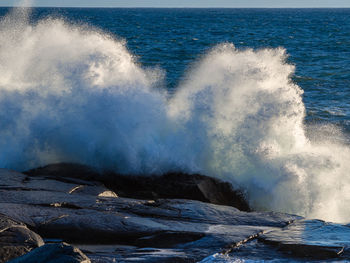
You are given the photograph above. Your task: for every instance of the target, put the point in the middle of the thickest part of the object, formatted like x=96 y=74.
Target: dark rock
x=53 y=253
x=177 y=185
x=167 y=239
x=68 y=170
x=16 y=239
x=170 y=185
x=187 y=230
x=311 y=238
x=121 y=225
x=126 y=254
x=109 y=228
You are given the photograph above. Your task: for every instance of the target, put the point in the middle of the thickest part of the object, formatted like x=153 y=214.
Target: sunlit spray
x=74 y=94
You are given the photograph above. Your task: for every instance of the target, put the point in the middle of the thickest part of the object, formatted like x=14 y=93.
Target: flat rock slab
x=76 y=208
x=126 y=254
x=311 y=238
x=170 y=185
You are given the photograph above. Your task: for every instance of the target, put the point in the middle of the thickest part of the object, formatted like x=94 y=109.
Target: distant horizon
x=172 y=7
x=179 y=3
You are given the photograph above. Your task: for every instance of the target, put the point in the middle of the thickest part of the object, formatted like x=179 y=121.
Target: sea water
x=256 y=97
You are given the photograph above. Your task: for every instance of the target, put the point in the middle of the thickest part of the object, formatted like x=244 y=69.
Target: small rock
x=53 y=253
x=16 y=239
x=108 y=194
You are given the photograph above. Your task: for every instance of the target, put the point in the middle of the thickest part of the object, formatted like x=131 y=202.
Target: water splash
x=252 y=115
x=75 y=94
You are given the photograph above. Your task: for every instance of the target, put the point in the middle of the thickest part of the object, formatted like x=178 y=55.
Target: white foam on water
x=75 y=94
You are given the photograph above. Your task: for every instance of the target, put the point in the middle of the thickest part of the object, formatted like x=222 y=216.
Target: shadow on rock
x=170 y=185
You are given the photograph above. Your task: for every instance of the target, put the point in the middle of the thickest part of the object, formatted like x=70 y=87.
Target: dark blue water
x=317 y=40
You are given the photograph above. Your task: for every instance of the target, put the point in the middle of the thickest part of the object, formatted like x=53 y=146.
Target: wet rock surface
x=16 y=239
x=74 y=207
x=311 y=238
x=170 y=185
x=53 y=253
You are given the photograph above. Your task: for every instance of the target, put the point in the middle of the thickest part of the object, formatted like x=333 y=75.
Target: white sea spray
x=70 y=93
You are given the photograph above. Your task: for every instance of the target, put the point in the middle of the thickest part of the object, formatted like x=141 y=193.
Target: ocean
x=316 y=40
x=256 y=97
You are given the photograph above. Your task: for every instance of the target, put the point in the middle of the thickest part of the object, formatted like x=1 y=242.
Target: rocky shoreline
x=106 y=217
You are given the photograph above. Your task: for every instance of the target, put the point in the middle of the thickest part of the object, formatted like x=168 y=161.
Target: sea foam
x=70 y=93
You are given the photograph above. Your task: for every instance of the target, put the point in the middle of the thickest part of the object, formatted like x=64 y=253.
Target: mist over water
x=71 y=93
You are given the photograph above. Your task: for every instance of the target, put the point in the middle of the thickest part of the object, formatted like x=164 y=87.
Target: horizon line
x=184 y=7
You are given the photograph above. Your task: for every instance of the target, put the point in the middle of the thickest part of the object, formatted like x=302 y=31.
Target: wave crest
x=73 y=94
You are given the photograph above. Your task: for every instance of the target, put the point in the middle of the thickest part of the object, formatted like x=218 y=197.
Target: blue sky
x=185 y=3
